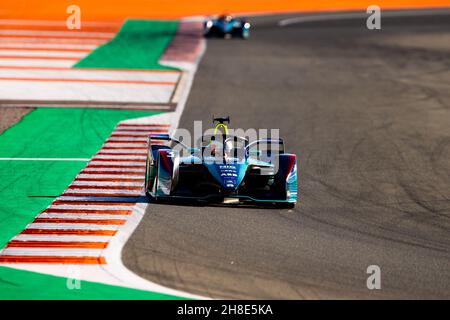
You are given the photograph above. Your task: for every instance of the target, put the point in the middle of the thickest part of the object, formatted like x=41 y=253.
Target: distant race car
x=223 y=168
x=227 y=26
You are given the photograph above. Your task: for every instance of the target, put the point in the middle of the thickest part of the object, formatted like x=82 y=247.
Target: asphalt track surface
x=368 y=114
x=10 y=116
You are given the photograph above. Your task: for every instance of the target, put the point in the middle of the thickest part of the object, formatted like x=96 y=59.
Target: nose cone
x=228 y=175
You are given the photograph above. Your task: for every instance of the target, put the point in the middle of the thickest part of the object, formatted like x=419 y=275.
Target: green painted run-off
x=138 y=45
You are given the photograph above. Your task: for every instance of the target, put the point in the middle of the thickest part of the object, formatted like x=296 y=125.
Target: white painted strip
x=88 y=216
x=134 y=151
x=116 y=163
x=106 y=183
x=136 y=139
x=89 y=207
x=45 y=159
x=53 y=46
x=93 y=170
x=106 y=191
x=81 y=91
x=69 y=34
x=71 y=226
x=149 y=128
x=84 y=74
x=62 y=238
x=93 y=175
x=51 y=252
x=85 y=198
x=134 y=133
x=121 y=145
x=36 y=63
x=107 y=156
x=29 y=53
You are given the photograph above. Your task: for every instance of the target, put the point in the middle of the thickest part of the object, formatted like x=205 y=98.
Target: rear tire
x=285 y=205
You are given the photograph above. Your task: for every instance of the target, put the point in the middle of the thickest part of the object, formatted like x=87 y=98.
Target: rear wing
x=162 y=136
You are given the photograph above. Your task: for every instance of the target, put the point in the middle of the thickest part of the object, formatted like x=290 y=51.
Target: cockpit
x=221 y=146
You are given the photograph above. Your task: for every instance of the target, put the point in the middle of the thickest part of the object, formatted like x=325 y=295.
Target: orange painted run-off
x=95 y=10
x=52 y=259
x=56 y=244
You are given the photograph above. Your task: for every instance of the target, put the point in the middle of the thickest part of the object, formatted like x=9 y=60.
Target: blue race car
x=223 y=168
x=227 y=26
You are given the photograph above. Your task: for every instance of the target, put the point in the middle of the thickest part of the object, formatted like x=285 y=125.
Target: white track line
x=102 y=162
x=89 y=207
x=51 y=252
x=107 y=183
x=135 y=133
x=120 y=145
x=134 y=169
x=105 y=191
x=148 y=128
x=93 y=175
x=62 y=238
x=118 y=157
x=134 y=139
x=72 y=226
x=91 y=216
x=80 y=91
x=133 y=151
x=84 y=74
x=94 y=198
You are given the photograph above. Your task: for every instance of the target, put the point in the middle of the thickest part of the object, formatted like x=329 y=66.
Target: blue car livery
x=222 y=168
x=227 y=26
